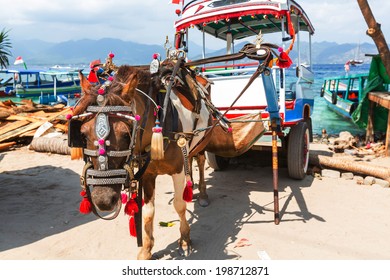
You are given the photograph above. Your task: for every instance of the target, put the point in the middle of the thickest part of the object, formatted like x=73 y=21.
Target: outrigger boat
x=46 y=84
x=343 y=93
x=284 y=97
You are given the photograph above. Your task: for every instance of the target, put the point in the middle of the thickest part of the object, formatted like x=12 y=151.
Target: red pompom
x=284 y=60
x=132 y=227
x=85 y=206
x=131 y=207
x=188 y=193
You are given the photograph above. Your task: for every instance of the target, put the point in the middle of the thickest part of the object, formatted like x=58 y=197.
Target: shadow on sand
x=34 y=201
x=216 y=228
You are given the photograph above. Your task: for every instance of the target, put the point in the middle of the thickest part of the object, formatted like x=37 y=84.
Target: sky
x=150 y=21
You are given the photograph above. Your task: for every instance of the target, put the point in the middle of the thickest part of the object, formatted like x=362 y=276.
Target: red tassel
x=188 y=193
x=131 y=207
x=124 y=198
x=85 y=205
x=132 y=227
x=284 y=60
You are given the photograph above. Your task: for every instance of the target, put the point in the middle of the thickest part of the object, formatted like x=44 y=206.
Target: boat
x=343 y=93
x=284 y=93
x=43 y=83
x=356 y=61
x=5 y=80
x=347 y=95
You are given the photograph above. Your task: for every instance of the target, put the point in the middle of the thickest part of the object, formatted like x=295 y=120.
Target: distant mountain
x=82 y=52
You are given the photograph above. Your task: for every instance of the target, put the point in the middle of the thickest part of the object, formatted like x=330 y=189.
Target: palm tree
x=5 y=46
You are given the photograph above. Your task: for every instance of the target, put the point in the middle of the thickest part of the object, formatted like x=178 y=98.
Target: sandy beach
x=321 y=218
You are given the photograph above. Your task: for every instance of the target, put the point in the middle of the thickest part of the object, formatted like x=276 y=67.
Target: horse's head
x=107 y=123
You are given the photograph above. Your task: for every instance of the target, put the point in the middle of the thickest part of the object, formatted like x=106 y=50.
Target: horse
x=133 y=128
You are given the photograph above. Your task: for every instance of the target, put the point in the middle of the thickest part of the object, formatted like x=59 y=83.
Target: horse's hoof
x=185 y=250
x=204 y=202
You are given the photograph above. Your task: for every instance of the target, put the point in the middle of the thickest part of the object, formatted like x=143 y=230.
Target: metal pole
x=275 y=172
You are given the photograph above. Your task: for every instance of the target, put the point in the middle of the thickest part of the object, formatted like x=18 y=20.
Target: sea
x=322 y=116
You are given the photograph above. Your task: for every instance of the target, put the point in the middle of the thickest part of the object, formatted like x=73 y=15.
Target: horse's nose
x=104 y=198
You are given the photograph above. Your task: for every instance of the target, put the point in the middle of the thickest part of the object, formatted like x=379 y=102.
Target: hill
x=81 y=52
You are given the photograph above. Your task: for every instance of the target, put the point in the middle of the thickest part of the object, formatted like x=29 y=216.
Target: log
x=6 y=146
x=56 y=145
x=353 y=166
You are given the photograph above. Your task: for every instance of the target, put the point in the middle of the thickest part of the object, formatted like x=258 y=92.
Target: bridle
x=103 y=175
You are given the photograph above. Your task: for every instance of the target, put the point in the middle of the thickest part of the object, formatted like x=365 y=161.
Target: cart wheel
x=217 y=162
x=309 y=124
x=298 y=151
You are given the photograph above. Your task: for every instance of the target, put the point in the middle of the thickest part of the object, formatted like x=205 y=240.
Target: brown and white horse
x=118 y=122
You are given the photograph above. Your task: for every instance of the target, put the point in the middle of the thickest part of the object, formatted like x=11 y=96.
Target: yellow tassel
x=76 y=153
x=157 y=145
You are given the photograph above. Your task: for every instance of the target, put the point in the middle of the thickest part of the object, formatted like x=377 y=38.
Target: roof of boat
x=241 y=18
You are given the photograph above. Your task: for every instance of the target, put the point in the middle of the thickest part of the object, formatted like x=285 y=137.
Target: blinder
x=75 y=138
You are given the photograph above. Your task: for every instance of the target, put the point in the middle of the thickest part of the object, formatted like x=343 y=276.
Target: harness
x=127 y=176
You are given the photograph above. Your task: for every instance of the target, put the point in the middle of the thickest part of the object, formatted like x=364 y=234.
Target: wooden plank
x=7 y=145
x=32 y=126
x=382 y=98
x=21 y=118
x=12 y=126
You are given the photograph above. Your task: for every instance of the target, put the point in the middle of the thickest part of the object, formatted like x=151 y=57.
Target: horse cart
x=142 y=122
x=283 y=97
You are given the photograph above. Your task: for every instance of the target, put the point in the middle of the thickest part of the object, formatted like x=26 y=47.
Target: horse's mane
x=115 y=89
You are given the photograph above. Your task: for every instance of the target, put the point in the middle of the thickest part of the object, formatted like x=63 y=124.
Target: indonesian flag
x=176 y=1
x=18 y=60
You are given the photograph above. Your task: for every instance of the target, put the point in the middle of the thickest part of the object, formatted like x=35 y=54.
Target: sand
x=321 y=218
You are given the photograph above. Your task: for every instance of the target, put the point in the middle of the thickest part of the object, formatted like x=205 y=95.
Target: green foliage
x=5 y=46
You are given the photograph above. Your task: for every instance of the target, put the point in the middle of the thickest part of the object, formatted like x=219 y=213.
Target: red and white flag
x=18 y=60
x=176 y=1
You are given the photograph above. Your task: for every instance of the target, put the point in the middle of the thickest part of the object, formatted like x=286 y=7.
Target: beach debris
x=166 y=224
x=345 y=141
x=242 y=243
x=19 y=122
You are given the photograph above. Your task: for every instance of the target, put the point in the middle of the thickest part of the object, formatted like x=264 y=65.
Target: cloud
x=149 y=21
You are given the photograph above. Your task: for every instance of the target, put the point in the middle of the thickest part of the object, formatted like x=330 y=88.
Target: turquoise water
x=322 y=116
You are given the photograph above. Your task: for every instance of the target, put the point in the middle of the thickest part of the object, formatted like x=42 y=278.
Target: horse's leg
x=148 y=210
x=181 y=208
x=203 y=199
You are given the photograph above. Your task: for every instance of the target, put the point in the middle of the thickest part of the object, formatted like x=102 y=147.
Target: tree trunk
x=375 y=32
x=351 y=166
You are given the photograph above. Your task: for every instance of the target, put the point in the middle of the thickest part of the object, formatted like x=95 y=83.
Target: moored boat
x=33 y=83
x=343 y=93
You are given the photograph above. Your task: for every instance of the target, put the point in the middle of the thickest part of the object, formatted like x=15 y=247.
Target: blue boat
x=34 y=83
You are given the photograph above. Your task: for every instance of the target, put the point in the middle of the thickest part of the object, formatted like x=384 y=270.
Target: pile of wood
x=20 y=122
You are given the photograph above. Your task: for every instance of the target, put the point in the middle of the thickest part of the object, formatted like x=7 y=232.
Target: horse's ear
x=131 y=84
x=84 y=83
